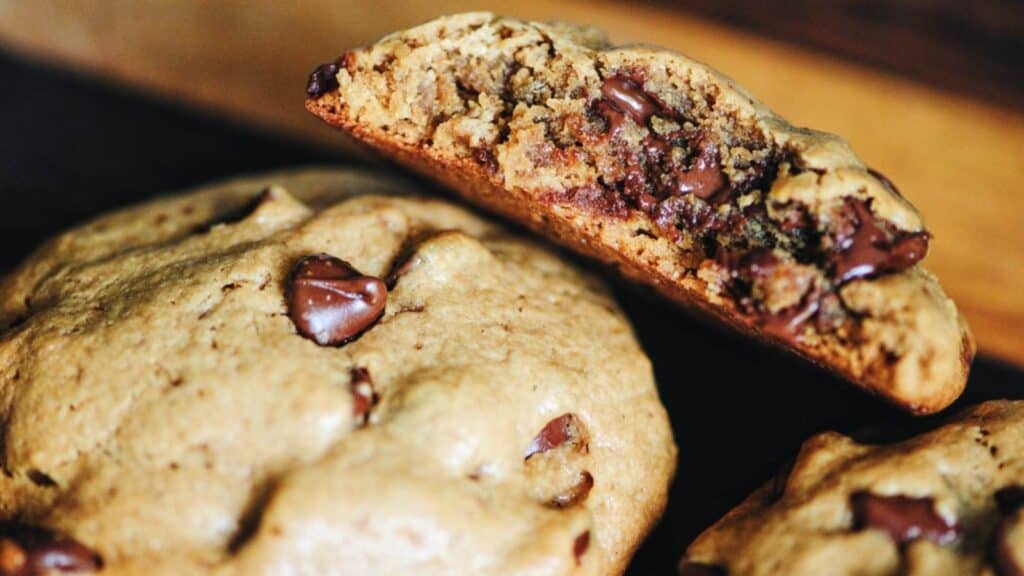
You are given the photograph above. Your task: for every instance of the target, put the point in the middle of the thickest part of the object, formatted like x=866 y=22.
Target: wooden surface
x=974 y=51
x=959 y=160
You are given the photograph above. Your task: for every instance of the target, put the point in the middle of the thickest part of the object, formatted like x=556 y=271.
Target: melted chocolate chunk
x=904 y=518
x=691 y=568
x=580 y=545
x=760 y=263
x=593 y=198
x=626 y=96
x=704 y=179
x=330 y=302
x=33 y=551
x=565 y=428
x=864 y=248
x=789 y=323
x=324 y=78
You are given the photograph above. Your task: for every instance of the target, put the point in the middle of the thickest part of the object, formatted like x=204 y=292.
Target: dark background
x=72 y=148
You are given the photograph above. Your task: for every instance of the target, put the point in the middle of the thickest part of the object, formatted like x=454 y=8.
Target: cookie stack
x=329 y=372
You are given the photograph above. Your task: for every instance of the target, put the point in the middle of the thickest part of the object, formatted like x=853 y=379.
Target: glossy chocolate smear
x=626 y=96
x=32 y=551
x=323 y=79
x=330 y=302
x=789 y=323
x=565 y=428
x=691 y=568
x=704 y=179
x=863 y=248
x=904 y=518
x=757 y=264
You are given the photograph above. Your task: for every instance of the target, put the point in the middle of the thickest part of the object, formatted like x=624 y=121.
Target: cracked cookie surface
x=328 y=377
x=950 y=501
x=670 y=172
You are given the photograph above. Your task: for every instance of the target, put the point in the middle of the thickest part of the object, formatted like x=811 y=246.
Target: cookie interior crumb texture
x=673 y=174
x=163 y=414
x=950 y=501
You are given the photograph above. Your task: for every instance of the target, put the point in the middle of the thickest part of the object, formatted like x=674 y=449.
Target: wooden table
x=959 y=160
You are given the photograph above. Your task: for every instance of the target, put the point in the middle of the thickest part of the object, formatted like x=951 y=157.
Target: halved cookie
x=666 y=169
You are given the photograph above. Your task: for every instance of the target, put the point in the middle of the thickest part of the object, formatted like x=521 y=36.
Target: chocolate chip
x=704 y=179
x=364 y=397
x=789 y=322
x=864 y=248
x=324 y=78
x=330 y=302
x=580 y=545
x=565 y=428
x=576 y=493
x=691 y=568
x=904 y=518
x=593 y=198
x=33 y=551
x=626 y=96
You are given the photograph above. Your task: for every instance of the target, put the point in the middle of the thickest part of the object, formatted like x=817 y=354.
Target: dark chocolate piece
x=34 y=551
x=904 y=518
x=580 y=545
x=364 y=397
x=789 y=323
x=758 y=264
x=330 y=302
x=565 y=428
x=704 y=179
x=628 y=97
x=863 y=248
x=323 y=79
x=690 y=568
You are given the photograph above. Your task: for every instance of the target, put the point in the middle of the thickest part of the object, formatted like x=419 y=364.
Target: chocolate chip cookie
x=673 y=174
x=315 y=372
x=950 y=501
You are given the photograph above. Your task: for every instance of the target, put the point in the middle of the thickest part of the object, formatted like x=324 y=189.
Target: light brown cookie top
x=672 y=173
x=945 y=502
x=193 y=386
